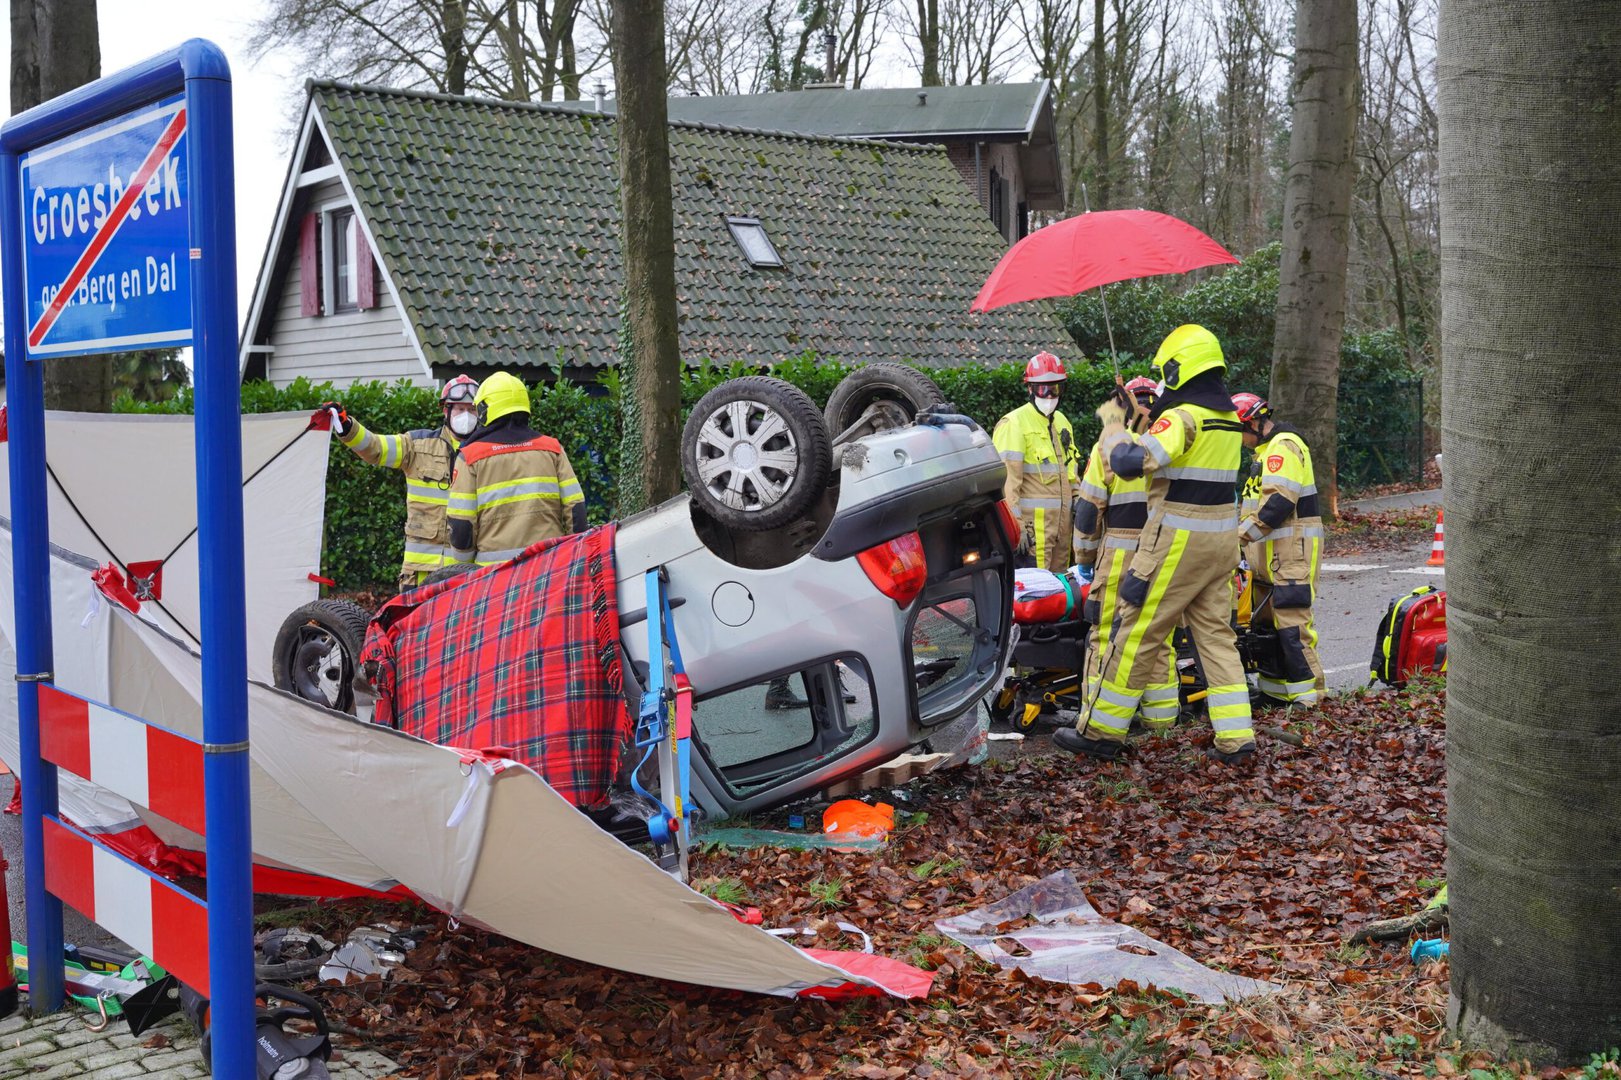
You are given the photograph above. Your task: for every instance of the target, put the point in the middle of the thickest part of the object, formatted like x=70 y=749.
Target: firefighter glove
x=340 y=418
x=1027 y=541
x=1112 y=412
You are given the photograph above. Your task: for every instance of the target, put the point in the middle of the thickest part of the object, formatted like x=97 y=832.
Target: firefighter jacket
x=1040 y=455
x=508 y=492
x=425 y=457
x=1283 y=529
x=1109 y=510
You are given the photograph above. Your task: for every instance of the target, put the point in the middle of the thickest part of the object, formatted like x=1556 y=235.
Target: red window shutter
x=366 y=267
x=309 y=265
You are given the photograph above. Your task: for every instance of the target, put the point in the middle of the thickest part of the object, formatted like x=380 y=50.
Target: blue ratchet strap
x=653 y=724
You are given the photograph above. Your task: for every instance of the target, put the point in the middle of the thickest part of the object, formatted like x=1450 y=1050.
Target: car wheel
x=445 y=573
x=755 y=453
x=878 y=397
x=317 y=652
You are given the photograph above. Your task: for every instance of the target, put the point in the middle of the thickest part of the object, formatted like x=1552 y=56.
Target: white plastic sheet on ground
x=1050 y=930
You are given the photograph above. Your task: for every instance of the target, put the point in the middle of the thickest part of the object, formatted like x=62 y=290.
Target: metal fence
x=1381 y=432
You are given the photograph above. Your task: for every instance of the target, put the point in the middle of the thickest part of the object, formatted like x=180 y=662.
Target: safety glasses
x=1046 y=389
x=460 y=392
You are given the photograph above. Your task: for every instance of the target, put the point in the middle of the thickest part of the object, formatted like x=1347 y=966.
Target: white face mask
x=463 y=423
x=1159 y=388
x=1047 y=405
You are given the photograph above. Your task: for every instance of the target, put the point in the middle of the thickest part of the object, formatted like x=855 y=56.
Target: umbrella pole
x=1114 y=358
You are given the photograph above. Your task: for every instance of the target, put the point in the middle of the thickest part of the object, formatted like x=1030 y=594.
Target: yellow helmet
x=1187 y=351
x=501 y=395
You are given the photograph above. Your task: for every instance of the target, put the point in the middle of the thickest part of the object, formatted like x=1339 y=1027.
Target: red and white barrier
x=150 y=767
x=161 y=920
x=147 y=765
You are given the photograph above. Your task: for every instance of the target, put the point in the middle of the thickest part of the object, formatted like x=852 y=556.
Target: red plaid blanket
x=522 y=655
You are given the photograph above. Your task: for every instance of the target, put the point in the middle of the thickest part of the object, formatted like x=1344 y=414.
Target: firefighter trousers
x=1161 y=700
x=1183 y=575
x=1294 y=676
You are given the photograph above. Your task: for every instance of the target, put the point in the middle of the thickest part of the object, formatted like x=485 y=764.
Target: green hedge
x=365 y=505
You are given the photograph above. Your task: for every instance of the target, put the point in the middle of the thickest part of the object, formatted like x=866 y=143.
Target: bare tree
x=1317 y=207
x=651 y=351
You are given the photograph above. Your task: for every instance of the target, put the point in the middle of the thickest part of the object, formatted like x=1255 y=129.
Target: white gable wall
x=353 y=346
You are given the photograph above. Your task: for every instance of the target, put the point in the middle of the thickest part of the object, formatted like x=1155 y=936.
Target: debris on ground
x=1049 y=930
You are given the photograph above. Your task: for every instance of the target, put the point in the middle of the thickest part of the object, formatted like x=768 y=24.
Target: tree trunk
x=1530 y=180
x=453 y=39
x=68 y=49
x=650 y=350
x=1316 y=236
x=1100 y=99
x=24 y=57
x=928 y=40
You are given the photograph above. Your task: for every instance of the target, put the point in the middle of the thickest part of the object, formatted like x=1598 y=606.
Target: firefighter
x=1282 y=533
x=426 y=457
x=1183 y=567
x=511 y=486
x=1037 y=445
x=1109 y=514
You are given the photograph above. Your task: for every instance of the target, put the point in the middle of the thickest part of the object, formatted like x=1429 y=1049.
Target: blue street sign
x=105 y=263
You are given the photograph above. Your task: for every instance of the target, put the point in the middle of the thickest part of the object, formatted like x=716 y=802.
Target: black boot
x=1076 y=743
x=1242 y=756
x=849 y=698
x=779 y=696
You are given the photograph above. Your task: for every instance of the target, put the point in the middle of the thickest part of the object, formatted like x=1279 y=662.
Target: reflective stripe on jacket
x=1040 y=456
x=426 y=457
x=1283 y=527
x=1109 y=509
x=512 y=495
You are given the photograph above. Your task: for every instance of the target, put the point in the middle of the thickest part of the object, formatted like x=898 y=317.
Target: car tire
x=317 y=652
x=445 y=573
x=901 y=392
x=755 y=453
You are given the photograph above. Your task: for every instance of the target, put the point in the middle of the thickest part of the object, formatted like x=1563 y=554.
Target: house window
x=752 y=239
x=341 y=250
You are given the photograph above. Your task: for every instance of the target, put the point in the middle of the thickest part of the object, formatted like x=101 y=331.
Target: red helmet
x=1142 y=384
x=1044 y=367
x=458 y=391
x=1251 y=407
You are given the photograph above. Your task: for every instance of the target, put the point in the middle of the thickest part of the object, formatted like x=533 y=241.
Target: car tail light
x=1010 y=524
x=898 y=567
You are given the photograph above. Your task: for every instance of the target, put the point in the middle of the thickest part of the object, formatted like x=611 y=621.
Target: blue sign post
x=117 y=231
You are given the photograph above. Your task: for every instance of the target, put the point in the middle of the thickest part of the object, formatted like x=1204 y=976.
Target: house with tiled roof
x=1002 y=137
x=419 y=236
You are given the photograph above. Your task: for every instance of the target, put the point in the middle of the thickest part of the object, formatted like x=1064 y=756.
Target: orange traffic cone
x=1438 y=555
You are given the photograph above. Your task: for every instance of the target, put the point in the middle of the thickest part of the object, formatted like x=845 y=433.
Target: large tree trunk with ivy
x=650 y=352
x=1316 y=230
x=1531 y=250
x=55 y=47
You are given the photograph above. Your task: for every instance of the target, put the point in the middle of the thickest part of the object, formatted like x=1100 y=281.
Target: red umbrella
x=1091 y=250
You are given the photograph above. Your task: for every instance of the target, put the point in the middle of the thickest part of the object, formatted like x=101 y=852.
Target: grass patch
x=927 y=869
x=1123 y=1051
x=827 y=892
x=726 y=890
x=1049 y=842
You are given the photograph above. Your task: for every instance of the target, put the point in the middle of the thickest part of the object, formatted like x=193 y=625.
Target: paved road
x=1352 y=594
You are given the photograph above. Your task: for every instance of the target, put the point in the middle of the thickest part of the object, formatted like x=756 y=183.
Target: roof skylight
x=752 y=239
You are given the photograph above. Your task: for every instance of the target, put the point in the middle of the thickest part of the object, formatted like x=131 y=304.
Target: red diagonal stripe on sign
x=114 y=222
